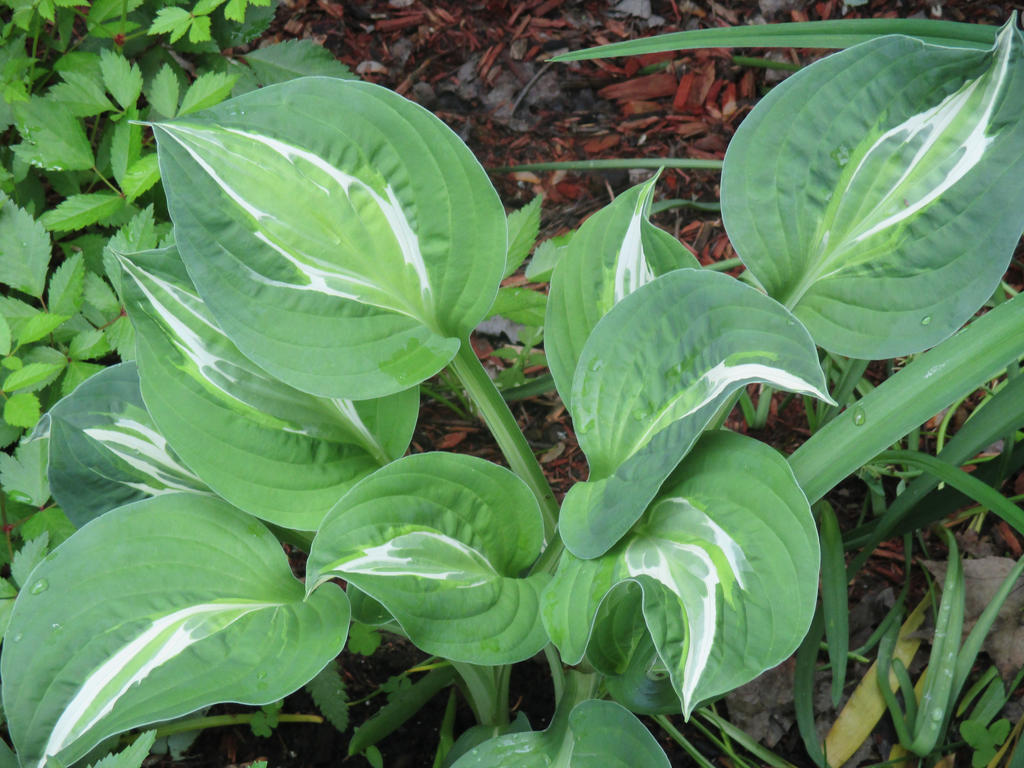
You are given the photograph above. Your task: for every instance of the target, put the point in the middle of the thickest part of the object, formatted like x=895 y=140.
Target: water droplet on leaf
x=926 y=320
x=859 y=417
x=841 y=155
x=40 y=586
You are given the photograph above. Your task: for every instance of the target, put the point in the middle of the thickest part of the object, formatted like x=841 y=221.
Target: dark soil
x=480 y=66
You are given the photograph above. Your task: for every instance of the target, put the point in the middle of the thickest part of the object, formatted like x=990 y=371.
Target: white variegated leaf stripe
x=347 y=257
x=268 y=448
x=154 y=610
x=105 y=451
x=441 y=541
x=653 y=374
x=615 y=251
x=891 y=201
x=730 y=531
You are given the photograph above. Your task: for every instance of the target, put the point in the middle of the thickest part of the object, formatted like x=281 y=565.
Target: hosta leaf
x=615 y=252
x=207 y=611
x=105 y=450
x=294 y=58
x=346 y=257
x=651 y=377
x=729 y=533
x=883 y=209
x=592 y=734
x=440 y=540
x=269 y=449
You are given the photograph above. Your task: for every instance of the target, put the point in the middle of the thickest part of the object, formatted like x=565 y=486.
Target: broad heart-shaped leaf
x=615 y=252
x=269 y=449
x=879 y=193
x=152 y=611
x=105 y=450
x=651 y=377
x=729 y=534
x=343 y=237
x=441 y=540
x=593 y=734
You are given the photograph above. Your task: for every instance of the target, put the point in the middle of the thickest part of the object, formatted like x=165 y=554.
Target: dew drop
x=841 y=155
x=40 y=586
x=926 y=320
x=17 y=638
x=859 y=417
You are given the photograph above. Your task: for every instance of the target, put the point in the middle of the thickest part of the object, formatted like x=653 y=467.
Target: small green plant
x=335 y=246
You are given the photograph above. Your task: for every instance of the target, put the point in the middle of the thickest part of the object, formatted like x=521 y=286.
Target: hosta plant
x=335 y=246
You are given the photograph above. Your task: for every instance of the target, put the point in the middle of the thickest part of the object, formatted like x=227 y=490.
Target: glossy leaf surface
x=728 y=534
x=595 y=734
x=267 y=448
x=615 y=251
x=206 y=610
x=343 y=237
x=651 y=377
x=441 y=540
x=105 y=450
x=889 y=204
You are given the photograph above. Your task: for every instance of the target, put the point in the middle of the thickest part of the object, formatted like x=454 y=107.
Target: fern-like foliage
x=329 y=694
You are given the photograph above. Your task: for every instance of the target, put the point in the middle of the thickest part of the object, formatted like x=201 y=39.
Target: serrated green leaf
x=79 y=211
x=132 y=756
x=911 y=156
x=163 y=92
x=28 y=557
x=422 y=536
x=67 y=284
x=698 y=336
x=234 y=627
x=235 y=10
x=99 y=294
x=209 y=88
x=121 y=337
x=24 y=250
x=76 y=373
x=171 y=19
x=52 y=137
x=82 y=94
x=520 y=305
x=23 y=475
x=5 y=336
x=88 y=345
x=31 y=377
x=295 y=58
x=53 y=522
x=329 y=695
x=38 y=326
x=122 y=78
x=199 y=32
x=11 y=363
x=404 y=285
x=140 y=176
x=125 y=148
x=523 y=227
x=363 y=639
